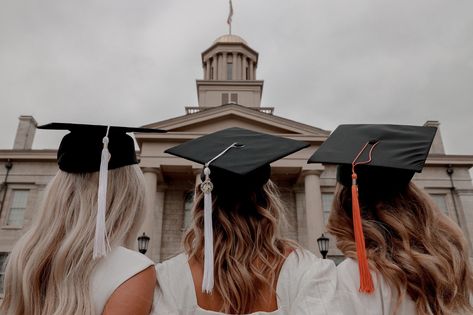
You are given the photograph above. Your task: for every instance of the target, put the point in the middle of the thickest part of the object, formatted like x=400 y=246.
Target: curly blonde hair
x=248 y=246
x=416 y=248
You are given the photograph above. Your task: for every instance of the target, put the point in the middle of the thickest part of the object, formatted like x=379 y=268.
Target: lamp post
x=143 y=242
x=322 y=242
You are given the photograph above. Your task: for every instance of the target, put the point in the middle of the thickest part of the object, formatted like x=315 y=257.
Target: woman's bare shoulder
x=134 y=296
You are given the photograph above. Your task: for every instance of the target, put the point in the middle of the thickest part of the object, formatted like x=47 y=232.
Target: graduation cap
x=96 y=148
x=80 y=150
x=236 y=159
x=380 y=159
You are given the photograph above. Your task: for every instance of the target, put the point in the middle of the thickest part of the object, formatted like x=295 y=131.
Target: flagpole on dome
x=229 y=19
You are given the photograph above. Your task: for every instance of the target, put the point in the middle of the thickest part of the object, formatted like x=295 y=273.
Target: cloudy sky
x=324 y=62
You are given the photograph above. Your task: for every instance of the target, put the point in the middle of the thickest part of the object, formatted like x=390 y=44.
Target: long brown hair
x=417 y=249
x=248 y=246
x=48 y=271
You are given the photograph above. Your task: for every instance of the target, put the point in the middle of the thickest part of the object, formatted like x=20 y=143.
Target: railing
x=197 y=109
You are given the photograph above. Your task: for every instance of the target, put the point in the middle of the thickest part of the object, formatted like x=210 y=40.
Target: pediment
x=226 y=116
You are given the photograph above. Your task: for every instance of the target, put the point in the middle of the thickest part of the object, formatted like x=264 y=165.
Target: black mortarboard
x=399 y=152
x=380 y=160
x=248 y=161
x=80 y=150
x=235 y=160
x=96 y=148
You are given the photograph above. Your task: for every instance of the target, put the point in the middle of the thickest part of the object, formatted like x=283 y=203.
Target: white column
x=214 y=66
x=217 y=67
x=220 y=67
x=313 y=208
x=225 y=60
x=197 y=173
x=154 y=206
x=464 y=207
x=251 y=70
x=158 y=231
x=234 y=66
x=207 y=70
x=238 y=67
x=301 y=218
x=151 y=179
x=243 y=68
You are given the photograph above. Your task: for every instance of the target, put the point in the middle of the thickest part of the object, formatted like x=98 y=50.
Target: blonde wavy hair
x=248 y=246
x=49 y=269
x=416 y=248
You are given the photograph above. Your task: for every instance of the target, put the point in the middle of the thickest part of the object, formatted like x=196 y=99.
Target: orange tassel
x=366 y=283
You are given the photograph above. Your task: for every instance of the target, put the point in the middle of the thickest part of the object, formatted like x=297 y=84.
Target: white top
x=381 y=302
x=117 y=267
x=306 y=285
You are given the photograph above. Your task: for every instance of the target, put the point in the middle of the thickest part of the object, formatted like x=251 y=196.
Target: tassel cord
x=101 y=244
x=207 y=187
x=208 y=279
x=366 y=281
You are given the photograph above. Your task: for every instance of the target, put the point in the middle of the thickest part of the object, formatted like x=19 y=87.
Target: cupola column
x=234 y=66
x=243 y=68
x=213 y=69
x=225 y=61
x=251 y=70
x=207 y=69
x=217 y=67
x=220 y=67
x=238 y=67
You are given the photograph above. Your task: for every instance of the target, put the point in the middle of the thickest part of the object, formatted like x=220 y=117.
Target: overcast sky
x=324 y=62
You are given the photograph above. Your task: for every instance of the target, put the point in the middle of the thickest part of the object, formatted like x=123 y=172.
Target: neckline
x=278 y=284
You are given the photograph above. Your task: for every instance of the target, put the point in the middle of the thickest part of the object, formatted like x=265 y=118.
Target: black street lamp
x=143 y=242
x=323 y=245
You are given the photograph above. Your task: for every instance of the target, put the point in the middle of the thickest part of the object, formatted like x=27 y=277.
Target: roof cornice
x=243 y=111
x=29 y=155
x=51 y=155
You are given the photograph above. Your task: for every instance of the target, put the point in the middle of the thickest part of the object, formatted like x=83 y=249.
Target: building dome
x=230 y=38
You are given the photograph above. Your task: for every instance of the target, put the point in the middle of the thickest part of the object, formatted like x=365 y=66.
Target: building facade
x=229 y=95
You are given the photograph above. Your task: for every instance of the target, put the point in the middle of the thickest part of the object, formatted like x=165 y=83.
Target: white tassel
x=206 y=186
x=208 y=279
x=101 y=245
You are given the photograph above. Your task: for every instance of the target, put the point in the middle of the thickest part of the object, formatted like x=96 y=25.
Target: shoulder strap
x=175 y=283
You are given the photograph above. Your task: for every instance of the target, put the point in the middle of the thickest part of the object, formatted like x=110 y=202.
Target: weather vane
x=229 y=19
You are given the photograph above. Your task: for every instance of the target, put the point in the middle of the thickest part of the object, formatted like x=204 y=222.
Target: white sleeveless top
x=306 y=285
x=381 y=302
x=117 y=267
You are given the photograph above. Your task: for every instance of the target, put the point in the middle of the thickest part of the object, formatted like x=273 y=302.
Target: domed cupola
x=229 y=67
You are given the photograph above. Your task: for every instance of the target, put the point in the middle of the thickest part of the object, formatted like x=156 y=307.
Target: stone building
x=228 y=95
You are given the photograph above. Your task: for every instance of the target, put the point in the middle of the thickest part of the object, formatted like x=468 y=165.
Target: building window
x=224 y=98
x=229 y=71
x=188 y=204
x=441 y=201
x=16 y=214
x=234 y=98
x=327 y=200
x=3 y=260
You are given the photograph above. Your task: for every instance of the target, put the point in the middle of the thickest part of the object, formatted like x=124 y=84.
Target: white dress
x=381 y=302
x=117 y=267
x=306 y=285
